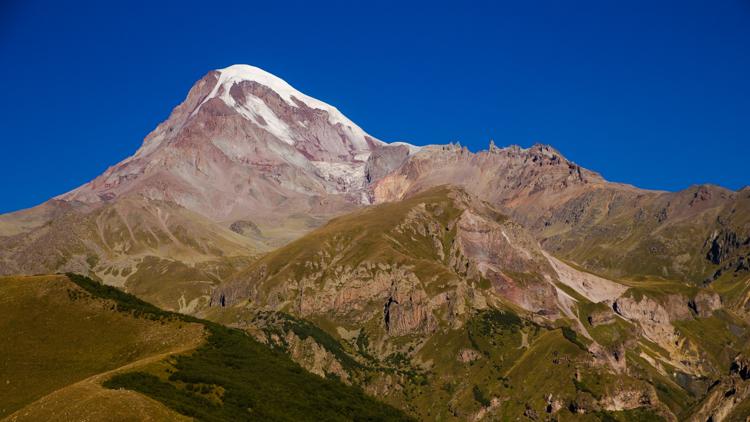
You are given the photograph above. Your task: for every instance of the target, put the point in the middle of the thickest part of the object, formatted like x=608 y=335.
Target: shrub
x=480 y=397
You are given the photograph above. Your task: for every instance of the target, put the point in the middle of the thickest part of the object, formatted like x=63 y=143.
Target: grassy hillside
x=53 y=334
x=86 y=329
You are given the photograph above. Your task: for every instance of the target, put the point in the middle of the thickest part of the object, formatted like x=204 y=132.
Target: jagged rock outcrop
x=468 y=355
x=516 y=268
x=314 y=357
x=384 y=159
x=741 y=367
x=656 y=320
x=503 y=176
x=705 y=303
x=724 y=397
x=652 y=316
x=246 y=228
x=601 y=317
x=722 y=245
x=627 y=399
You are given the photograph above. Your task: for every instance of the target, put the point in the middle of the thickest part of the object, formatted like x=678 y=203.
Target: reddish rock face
x=241 y=144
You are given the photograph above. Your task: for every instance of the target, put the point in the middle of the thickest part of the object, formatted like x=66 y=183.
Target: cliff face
x=440 y=283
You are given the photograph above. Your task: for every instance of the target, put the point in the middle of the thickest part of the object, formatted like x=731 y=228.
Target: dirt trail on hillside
x=88 y=400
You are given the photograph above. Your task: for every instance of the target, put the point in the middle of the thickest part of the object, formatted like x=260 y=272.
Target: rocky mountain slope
x=435 y=302
x=156 y=249
x=243 y=143
x=693 y=235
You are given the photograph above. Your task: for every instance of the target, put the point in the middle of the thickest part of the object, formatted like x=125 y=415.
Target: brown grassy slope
x=54 y=334
x=90 y=400
x=693 y=235
x=132 y=243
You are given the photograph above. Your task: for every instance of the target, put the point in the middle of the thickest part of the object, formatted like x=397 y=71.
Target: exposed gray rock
x=383 y=160
x=246 y=228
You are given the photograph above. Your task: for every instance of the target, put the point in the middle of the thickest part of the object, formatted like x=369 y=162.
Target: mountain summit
x=243 y=141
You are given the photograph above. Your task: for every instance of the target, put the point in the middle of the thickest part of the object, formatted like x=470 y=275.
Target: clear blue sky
x=653 y=93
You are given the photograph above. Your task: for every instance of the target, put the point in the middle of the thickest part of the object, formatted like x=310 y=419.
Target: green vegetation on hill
x=124 y=302
x=233 y=377
x=697 y=235
x=54 y=334
x=715 y=336
x=59 y=330
x=254 y=382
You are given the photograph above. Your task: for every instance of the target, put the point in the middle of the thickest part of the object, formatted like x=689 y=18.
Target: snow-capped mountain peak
x=253 y=107
x=243 y=139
